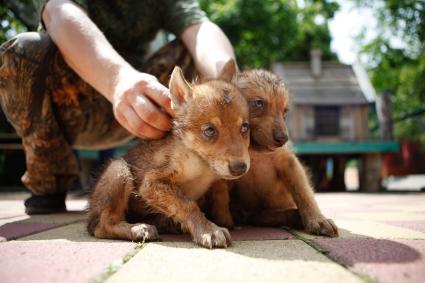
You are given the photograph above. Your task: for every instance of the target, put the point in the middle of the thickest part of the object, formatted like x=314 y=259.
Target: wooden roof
x=337 y=84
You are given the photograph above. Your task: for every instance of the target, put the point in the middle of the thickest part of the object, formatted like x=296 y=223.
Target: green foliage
x=264 y=31
x=9 y=24
x=400 y=69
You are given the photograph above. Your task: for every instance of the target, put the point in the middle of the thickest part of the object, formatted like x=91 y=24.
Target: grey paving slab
x=245 y=233
x=245 y=261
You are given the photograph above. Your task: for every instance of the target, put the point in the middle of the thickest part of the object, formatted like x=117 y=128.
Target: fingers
x=141 y=105
x=160 y=95
x=150 y=113
x=129 y=119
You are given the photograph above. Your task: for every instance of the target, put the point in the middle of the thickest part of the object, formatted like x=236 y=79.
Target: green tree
x=264 y=31
x=399 y=69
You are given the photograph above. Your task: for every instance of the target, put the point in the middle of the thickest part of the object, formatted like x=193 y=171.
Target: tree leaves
x=400 y=70
x=264 y=31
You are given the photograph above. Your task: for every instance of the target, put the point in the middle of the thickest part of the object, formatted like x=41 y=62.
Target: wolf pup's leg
x=168 y=200
x=291 y=170
x=109 y=203
x=219 y=198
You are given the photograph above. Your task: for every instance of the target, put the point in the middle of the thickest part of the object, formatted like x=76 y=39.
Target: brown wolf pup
x=163 y=179
x=276 y=190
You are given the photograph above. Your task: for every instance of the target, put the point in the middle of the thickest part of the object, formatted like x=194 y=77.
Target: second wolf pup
x=209 y=140
x=276 y=190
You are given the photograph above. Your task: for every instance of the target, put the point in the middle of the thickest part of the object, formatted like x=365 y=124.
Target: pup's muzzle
x=280 y=137
x=237 y=168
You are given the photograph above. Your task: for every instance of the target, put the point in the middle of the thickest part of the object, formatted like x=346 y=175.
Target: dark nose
x=237 y=168
x=280 y=137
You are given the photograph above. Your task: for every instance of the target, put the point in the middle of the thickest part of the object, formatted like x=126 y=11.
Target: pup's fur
x=158 y=182
x=276 y=190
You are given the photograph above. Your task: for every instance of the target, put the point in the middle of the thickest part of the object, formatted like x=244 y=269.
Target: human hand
x=141 y=104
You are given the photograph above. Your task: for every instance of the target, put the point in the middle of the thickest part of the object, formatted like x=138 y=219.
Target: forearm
x=83 y=46
x=209 y=47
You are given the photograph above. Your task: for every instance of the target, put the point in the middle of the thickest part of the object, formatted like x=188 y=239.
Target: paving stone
x=406 y=208
x=10 y=231
x=58 y=218
x=9 y=214
x=389 y=261
x=413 y=225
x=245 y=233
x=73 y=232
x=371 y=229
x=257 y=261
x=13 y=219
x=57 y=260
x=394 y=216
x=18 y=227
x=13 y=206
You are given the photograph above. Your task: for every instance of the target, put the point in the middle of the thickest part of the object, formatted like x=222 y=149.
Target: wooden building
x=328 y=119
x=328 y=103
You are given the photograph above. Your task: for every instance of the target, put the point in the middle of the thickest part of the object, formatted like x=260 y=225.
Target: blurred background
x=355 y=70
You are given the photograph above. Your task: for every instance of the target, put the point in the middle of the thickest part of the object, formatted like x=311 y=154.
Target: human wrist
x=122 y=74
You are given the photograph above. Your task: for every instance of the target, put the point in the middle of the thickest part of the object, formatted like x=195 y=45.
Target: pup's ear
x=179 y=88
x=229 y=71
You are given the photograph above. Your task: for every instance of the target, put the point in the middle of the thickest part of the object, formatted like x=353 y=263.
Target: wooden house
x=328 y=120
x=328 y=102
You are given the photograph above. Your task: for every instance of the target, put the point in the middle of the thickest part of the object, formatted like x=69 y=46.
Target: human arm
x=134 y=95
x=209 y=47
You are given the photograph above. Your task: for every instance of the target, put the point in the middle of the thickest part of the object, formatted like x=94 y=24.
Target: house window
x=326 y=120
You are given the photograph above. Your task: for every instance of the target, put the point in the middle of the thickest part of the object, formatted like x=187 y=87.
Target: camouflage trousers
x=54 y=111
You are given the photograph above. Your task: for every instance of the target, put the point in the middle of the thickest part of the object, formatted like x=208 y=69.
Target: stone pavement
x=382 y=240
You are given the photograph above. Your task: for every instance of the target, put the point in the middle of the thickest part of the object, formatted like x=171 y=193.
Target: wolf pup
x=276 y=190
x=209 y=141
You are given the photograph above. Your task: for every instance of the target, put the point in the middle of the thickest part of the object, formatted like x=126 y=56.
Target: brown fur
x=276 y=190
x=158 y=182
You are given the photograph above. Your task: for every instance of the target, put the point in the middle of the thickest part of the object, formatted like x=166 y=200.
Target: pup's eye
x=244 y=127
x=259 y=103
x=285 y=112
x=210 y=131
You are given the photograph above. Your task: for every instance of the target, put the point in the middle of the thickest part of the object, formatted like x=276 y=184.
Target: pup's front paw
x=213 y=237
x=144 y=232
x=321 y=226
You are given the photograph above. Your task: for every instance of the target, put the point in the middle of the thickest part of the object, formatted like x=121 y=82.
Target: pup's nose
x=280 y=137
x=237 y=168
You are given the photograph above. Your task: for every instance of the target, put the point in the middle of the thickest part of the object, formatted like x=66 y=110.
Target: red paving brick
x=57 y=261
x=14 y=230
x=384 y=260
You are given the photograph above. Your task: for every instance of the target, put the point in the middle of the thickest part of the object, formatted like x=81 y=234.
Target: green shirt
x=130 y=25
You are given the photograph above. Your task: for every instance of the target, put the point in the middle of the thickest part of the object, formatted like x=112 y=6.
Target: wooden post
x=384 y=111
x=370 y=172
x=337 y=183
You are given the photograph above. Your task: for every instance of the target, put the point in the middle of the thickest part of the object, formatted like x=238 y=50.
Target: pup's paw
x=321 y=226
x=144 y=232
x=213 y=237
